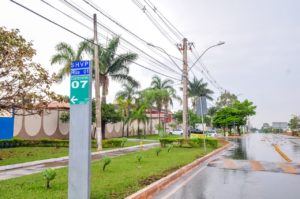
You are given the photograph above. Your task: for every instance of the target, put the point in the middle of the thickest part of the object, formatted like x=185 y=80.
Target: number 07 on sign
x=80 y=82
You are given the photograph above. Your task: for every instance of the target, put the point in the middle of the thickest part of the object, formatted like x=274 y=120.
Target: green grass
x=26 y=154
x=155 y=137
x=121 y=178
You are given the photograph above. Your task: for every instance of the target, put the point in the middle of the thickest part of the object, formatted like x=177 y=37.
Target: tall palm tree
x=125 y=98
x=198 y=88
x=165 y=93
x=65 y=55
x=139 y=115
x=112 y=65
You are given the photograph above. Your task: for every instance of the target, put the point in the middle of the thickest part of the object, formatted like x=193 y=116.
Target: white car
x=176 y=132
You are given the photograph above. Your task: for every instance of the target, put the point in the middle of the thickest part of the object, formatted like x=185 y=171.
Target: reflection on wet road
x=256 y=167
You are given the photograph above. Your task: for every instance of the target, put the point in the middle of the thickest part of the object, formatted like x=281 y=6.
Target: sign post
x=80 y=127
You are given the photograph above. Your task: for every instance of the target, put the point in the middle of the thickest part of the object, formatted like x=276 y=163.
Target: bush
x=49 y=175
x=158 y=150
x=33 y=143
x=170 y=147
x=106 y=162
x=112 y=143
x=191 y=142
x=139 y=158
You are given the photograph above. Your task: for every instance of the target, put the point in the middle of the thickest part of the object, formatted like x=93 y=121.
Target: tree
x=24 y=84
x=149 y=96
x=192 y=116
x=109 y=115
x=226 y=99
x=198 y=88
x=66 y=55
x=112 y=65
x=125 y=99
x=234 y=115
x=294 y=124
x=163 y=91
x=139 y=114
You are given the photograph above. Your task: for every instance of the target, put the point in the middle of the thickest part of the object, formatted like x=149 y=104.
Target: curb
x=37 y=162
x=153 y=188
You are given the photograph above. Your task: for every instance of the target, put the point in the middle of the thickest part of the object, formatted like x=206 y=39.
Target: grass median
x=124 y=176
x=27 y=154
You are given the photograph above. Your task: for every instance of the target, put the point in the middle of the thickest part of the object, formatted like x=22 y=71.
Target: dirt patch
x=153 y=178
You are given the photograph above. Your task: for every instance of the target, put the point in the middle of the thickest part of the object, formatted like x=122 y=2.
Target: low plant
x=124 y=140
x=49 y=175
x=106 y=162
x=158 y=150
x=139 y=158
x=170 y=147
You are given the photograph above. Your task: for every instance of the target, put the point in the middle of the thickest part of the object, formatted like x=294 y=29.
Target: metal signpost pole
x=80 y=130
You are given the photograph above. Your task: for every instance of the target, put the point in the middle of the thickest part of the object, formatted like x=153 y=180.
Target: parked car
x=212 y=133
x=176 y=132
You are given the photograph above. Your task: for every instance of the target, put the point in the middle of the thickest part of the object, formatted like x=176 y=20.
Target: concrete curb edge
x=153 y=188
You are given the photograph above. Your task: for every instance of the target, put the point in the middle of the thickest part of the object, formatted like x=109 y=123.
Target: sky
x=259 y=60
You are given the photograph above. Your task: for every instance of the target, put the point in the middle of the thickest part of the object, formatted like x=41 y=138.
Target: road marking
x=230 y=164
x=182 y=184
x=288 y=169
x=281 y=153
x=256 y=166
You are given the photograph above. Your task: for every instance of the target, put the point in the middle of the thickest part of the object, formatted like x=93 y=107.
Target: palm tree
x=125 y=98
x=113 y=65
x=165 y=92
x=148 y=96
x=139 y=115
x=65 y=55
x=198 y=88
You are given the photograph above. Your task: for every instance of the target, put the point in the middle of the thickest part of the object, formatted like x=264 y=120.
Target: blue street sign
x=80 y=64
x=81 y=71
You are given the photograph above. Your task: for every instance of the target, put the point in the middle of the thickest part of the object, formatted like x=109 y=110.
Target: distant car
x=212 y=133
x=176 y=132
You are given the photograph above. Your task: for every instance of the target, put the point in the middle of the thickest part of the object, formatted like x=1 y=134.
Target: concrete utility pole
x=97 y=87
x=185 y=91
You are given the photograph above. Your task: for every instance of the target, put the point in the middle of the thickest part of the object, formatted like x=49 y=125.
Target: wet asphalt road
x=252 y=169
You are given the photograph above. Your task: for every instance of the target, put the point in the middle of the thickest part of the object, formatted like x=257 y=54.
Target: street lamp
x=218 y=44
x=164 y=51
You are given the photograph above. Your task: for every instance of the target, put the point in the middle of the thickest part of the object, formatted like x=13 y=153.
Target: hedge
x=56 y=143
x=190 y=142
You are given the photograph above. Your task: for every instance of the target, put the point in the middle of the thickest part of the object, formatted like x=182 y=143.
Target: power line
x=169 y=25
x=102 y=12
x=79 y=11
x=72 y=32
x=155 y=22
x=101 y=35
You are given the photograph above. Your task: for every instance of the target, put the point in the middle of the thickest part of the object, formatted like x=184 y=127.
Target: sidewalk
x=17 y=170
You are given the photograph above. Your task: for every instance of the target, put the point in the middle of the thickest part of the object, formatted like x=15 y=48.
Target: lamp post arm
x=219 y=44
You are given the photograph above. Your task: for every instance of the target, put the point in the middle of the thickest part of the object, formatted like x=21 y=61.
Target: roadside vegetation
x=17 y=155
x=121 y=177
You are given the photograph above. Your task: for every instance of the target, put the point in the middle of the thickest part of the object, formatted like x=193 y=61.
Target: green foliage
x=106 y=162
x=24 y=84
x=191 y=142
x=64 y=116
x=170 y=147
x=226 y=99
x=193 y=118
x=157 y=151
x=124 y=140
x=49 y=175
x=110 y=114
x=16 y=142
x=139 y=158
x=111 y=143
x=294 y=123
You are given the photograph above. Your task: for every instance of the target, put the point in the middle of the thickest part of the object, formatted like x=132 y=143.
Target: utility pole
x=184 y=90
x=97 y=87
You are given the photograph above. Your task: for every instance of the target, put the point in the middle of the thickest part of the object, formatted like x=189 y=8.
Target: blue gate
x=6 y=128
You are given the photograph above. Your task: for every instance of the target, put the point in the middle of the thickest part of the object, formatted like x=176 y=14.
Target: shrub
x=112 y=143
x=170 y=147
x=124 y=140
x=191 y=142
x=106 y=162
x=158 y=150
x=139 y=158
x=49 y=175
